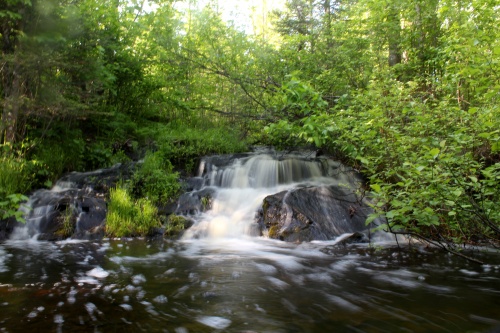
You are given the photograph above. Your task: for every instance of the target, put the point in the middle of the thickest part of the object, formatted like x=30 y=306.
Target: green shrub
x=97 y=155
x=156 y=179
x=127 y=217
x=184 y=146
x=16 y=175
x=119 y=157
x=9 y=207
x=433 y=167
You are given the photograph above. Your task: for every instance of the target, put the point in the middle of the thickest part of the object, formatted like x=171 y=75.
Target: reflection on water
x=242 y=285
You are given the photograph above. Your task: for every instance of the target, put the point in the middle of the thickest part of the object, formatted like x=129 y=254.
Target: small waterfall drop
x=75 y=203
x=238 y=187
x=264 y=171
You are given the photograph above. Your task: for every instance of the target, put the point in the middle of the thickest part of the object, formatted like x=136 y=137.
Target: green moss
x=273 y=231
x=206 y=202
x=67 y=223
x=176 y=224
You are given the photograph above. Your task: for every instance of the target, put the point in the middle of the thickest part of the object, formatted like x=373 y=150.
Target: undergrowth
x=129 y=217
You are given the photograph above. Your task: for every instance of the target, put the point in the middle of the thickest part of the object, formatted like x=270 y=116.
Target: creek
x=226 y=275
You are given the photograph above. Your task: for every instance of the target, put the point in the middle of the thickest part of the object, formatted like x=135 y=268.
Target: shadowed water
x=242 y=285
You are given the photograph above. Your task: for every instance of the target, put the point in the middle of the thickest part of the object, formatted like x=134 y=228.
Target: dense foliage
x=420 y=120
x=406 y=91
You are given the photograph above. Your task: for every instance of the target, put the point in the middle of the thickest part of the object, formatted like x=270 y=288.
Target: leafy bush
x=433 y=166
x=98 y=155
x=9 y=207
x=184 y=146
x=155 y=179
x=301 y=109
x=16 y=174
x=421 y=156
x=16 y=178
x=128 y=217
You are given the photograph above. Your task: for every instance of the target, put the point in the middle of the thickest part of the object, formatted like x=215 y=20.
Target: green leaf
x=363 y=160
x=372 y=217
x=472 y=111
x=391 y=214
x=376 y=187
x=434 y=153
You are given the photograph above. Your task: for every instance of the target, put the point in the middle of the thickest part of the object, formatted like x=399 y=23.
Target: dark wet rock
x=74 y=208
x=194 y=184
x=156 y=232
x=99 y=181
x=313 y=213
x=167 y=209
x=209 y=163
x=7 y=226
x=195 y=202
x=60 y=215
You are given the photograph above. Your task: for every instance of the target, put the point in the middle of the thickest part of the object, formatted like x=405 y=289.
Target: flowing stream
x=240 y=185
x=222 y=276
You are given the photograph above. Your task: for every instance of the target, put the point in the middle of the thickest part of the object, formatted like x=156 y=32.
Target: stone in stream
x=313 y=213
x=74 y=208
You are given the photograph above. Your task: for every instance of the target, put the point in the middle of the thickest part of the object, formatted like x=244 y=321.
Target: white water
x=242 y=186
x=42 y=204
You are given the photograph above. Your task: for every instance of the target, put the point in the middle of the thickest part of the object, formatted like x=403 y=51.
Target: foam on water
x=247 y=284
x=98 y=273
x=214 y=322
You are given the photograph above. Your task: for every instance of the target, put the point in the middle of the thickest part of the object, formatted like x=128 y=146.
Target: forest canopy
x=405 y=91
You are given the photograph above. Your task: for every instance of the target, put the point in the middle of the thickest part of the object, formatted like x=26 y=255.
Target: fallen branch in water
x=438 y=244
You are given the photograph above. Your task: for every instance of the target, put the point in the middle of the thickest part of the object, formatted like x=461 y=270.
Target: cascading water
x=77 y=199
x=218 y=280
x=239 y=186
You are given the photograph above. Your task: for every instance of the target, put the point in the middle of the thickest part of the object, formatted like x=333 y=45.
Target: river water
x=218 y=278
x=242 y=285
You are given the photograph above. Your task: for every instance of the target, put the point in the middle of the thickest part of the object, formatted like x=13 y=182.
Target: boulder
x=74 y=208
x=194 y=202
x=312 y=213
x=71 y=213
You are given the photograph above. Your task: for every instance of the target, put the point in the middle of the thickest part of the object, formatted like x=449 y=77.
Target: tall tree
x=13 y=18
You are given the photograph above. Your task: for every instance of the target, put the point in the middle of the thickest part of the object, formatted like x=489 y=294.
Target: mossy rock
x=176 y=224
x=66 y=222
x=274 y=232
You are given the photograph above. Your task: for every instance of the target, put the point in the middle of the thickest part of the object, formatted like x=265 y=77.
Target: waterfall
x=77 y=199
x=240 y=185
x=264 y=171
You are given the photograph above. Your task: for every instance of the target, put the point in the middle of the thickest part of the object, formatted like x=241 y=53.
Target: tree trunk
x=394 y=36
x=11 y=106
x=328 y=23
x=11 y=77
